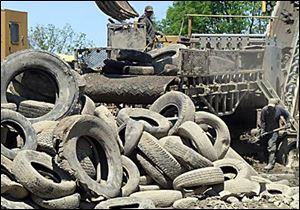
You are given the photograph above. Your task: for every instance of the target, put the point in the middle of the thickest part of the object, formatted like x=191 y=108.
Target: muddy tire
x=10 y=106
x=6 y=167
x=44 y=131
x=134 y=56
x=12 y=188
x=68 y=132
x=32 y=179
x=9 y=204
x=242 y=185
x=199 y=177
x=133 y=178
x=128 y=202
x=15 y=118
x=139 y=70
x=28 y=59
x=274 y=188
x=149 y=146
x=67 y=202
x=223 y=139
x=161 y=198
x=182 y=103
x=160 y=178
x=154 y=123
x=133 y=133
x=148 y=187
x=34 y=109
x=191 y=131
x=187 y=157
x=84 y=155
x=88 y=105
x=233 y=166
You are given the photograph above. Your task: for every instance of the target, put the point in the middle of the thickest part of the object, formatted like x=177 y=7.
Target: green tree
x=176 y=20
x=57 y=40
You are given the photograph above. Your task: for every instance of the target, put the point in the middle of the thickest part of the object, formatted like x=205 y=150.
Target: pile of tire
x=92 y=159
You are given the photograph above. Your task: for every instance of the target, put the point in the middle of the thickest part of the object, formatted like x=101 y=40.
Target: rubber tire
x=133 y=132
x=67 y=85
x=199 y=177
x=27 y=129
x=239 y=167
x=6 y=167
x=182 y=102
x=190 y=130
x=242 y=185
x=88 y=105
x=161 y=198
x=44 y=131
x=128 y=201
x=13 y=189
x=132 y=170
x=148 y=187
x=134 y=56
x=223 y=139
x=161 y=158
x=161 y=179
x=68 y=131
x=10 y=204
x=37 y=184
x=159 y=130
x=10 y=106
x=139 y=70
x=67 y=202
x=187 y=157
x=34 y=109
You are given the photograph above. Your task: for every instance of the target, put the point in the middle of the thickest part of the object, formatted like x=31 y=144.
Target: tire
x=166 y=55
x=67 y=202
x=35 y=182
x=148 y=187
x=133 y=133
x=134 y=56
x=12 y=188
x=88 y=105
x=9 y=204
x=84 y=155
x=199 y=177
x=160 y=198
x=223 y=139
x=149 y=146
x=34 y=109
x=68 y=131
x=139 y=70
x=181 y=102
x=6 y=167
x=187 y=157
x=191 y=131
x=235 y=166
x=242 y=185
x=15 y=118
x=44 y=131
x=66 y=83
x=274 y=188
x=160 y=178
x=128 y=202
x=185 y=203
x=10 y=106
x=133 y=177
x=145 y=180
x=154 y=123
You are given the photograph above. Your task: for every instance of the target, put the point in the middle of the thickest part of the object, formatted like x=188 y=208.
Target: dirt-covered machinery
x=230 y=75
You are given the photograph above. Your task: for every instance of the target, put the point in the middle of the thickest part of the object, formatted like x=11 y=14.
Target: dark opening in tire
x=15 y=136
x=148 y=120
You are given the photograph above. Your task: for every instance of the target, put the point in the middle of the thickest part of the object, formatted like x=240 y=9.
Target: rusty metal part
x=126 y=89
x=119 y=10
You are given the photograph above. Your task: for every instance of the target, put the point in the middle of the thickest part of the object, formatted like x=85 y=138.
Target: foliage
x=176 y=17
x=57 y=40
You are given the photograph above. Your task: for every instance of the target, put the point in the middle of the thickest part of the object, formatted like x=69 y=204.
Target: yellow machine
x=13 y=31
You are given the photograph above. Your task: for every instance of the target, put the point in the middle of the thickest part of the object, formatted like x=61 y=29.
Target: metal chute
x=119 y=10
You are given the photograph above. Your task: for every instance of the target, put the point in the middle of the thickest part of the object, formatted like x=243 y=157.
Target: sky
x=83 y=16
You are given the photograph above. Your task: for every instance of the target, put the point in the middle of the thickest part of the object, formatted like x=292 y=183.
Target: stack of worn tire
x=88 y=158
